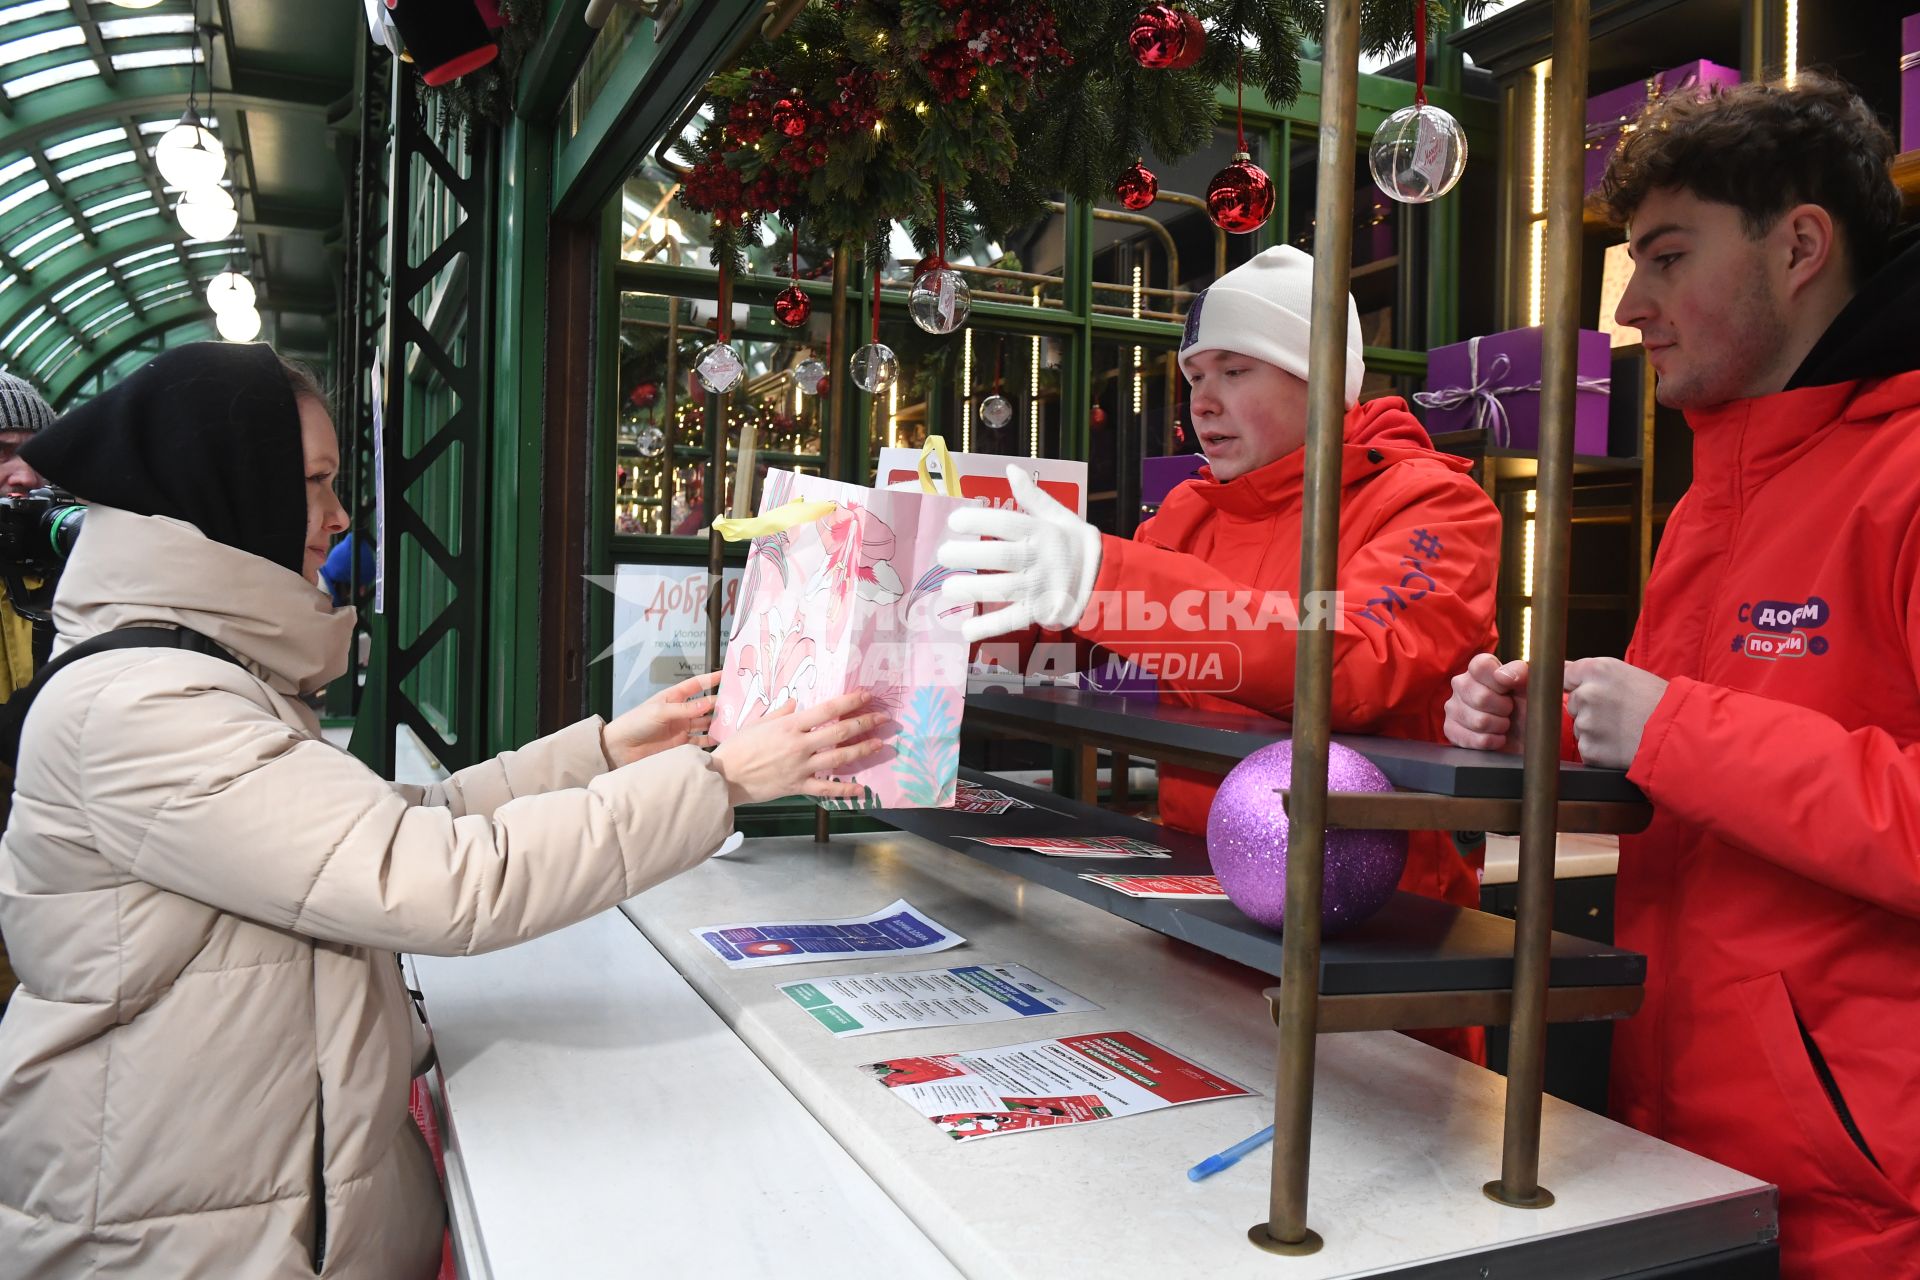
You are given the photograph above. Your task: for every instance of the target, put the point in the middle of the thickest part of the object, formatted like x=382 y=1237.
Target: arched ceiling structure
x=94 y=268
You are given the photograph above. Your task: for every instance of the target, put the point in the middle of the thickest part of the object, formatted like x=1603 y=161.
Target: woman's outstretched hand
x=785 y=753
x=670 y=718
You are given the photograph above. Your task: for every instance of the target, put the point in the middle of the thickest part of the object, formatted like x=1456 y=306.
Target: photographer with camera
x=22 y=415
x=205 y=1071
x=23 y=641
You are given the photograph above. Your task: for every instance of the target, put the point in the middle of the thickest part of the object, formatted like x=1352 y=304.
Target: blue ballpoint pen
x=1214 y=1164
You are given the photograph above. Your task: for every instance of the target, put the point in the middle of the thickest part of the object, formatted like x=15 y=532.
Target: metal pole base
x=1497 y=1192
x=1310 y=1243
x=820 y=831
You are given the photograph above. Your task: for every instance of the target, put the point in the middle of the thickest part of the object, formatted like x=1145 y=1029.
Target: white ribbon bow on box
x=1484 y=392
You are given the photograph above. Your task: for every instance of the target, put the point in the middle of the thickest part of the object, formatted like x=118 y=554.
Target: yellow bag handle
x=779 y=520
x=937 y=445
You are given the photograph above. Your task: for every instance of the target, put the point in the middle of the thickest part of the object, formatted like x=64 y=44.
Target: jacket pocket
x=1818 y=1108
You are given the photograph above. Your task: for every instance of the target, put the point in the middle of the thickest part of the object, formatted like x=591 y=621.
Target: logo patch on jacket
x=1780 y=629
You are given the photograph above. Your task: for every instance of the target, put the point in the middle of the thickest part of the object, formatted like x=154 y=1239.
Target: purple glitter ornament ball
x=1247 y=840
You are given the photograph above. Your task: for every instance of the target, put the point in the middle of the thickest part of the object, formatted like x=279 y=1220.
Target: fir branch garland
x=862 y=109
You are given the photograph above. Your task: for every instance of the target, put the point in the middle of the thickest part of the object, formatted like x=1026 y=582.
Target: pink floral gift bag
x=841 y=592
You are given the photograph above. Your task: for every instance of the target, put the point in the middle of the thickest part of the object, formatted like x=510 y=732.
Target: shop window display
x=667 y=422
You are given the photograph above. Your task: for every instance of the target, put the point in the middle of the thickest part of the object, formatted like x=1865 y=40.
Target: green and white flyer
x=860 y=1004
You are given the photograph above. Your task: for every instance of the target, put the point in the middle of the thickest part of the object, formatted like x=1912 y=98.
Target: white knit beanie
x=1262 y=308
x=21 y=407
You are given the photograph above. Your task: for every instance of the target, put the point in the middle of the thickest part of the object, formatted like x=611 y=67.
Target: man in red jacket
x=1213 y=578
x=1769 y=704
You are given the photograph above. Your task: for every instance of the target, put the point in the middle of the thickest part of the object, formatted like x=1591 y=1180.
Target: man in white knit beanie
x=1209 y=586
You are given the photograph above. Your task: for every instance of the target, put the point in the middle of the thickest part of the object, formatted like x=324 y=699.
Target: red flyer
x=1080 y=846
x=1047 y=1083
x=1160 y=886
x=969 y=797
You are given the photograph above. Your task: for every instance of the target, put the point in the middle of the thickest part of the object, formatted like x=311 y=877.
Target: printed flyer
x=1045 y=1083
x=897 y=930
x=1080 y=846
x=971 y=797
x=860 y=1004
x=1160 y=886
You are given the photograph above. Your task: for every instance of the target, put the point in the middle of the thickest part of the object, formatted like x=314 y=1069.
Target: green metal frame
x=439 y=379
x=649 y=86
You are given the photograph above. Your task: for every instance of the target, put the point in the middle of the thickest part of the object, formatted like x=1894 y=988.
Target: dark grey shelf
x=1414 y=944
x=1142 y=724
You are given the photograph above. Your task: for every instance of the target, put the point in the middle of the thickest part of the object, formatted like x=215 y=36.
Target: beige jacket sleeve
x=572 y=757
x=205 y=793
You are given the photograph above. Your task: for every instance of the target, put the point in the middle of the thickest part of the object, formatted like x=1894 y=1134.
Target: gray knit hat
x=21 y=407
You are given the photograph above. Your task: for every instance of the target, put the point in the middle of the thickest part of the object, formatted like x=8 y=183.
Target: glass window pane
x=1139 y=400
x=667 y=423
x=1172 y=244
x=612 y=41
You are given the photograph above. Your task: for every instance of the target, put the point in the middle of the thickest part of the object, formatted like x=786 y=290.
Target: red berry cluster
x=801 y=130
x=714 y=186
x=856 y=107
x=1019 y=36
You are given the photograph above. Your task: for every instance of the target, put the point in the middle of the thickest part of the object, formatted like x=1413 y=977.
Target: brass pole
x=1519 y=1182
x=716 y=556
x=670 y=419
x=839 y=349
x=833 y=442
x=1285 y=1230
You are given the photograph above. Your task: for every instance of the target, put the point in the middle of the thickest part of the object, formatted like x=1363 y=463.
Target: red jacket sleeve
x=1791 y=785
x=1416 y=601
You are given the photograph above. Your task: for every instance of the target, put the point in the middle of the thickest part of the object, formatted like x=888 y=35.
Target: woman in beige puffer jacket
x=205 y=1070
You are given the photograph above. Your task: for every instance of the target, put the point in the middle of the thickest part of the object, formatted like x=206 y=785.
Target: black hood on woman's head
x=208 y=433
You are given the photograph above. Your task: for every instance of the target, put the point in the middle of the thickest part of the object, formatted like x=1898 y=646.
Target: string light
x=1526 y=579
x=1033 y=391
x=1537 y=238
x=1139 y=353
x=966 y=390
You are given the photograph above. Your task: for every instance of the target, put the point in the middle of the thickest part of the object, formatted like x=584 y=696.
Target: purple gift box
x=1111 y=673
x=1494 y=382
x=1910 y=82
x=1609 y=113
x=1161 y=476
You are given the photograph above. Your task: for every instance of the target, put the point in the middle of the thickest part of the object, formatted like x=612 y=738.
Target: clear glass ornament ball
x=940 y=300
x=719 y=367
x=874 y=367
x=1418 y=154
x=651 y=442
x=807 y=375
x=996 y=411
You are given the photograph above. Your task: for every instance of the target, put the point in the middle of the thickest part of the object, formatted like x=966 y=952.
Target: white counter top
x=1574 y=856
x=600 y=1121
x=1404 y=1135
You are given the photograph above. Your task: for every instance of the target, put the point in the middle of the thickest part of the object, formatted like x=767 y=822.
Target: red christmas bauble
x=790 y=117
x=1165 y=37
x=1098 y=416
x=791 y=307
x=644 y=395
x=1240 y=197
x=1137 y=187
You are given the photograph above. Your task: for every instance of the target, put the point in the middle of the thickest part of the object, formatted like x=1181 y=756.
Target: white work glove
x=1046 y=559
